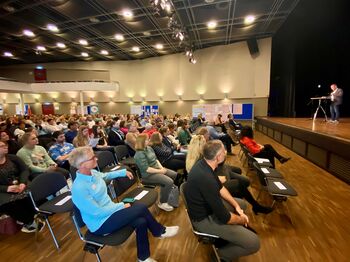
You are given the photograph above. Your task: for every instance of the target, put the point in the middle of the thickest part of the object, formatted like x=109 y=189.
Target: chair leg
x=98 y=258
x=216 y=253
x=52 y=234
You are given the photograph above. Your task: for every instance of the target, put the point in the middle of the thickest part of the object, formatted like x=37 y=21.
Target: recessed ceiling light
x=104 y=52
x=135 y=49
x=249 y=19
x=211 y=24
x=8 y=54
x=83 y=42
x=84 y=54
x=209 y=1
x=29 y=33
x=127 y=14
x=61 y=45
x=159 y=46
x=119 y=37
x=39 y=67
x=52 y=28
x=41 y=48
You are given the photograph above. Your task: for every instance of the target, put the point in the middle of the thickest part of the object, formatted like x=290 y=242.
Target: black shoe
x=285 y=159
x=261 y=209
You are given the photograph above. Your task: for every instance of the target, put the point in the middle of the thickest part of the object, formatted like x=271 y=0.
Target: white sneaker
x=336 y=122
x=170 y=232
x=165 y=207
x=147 y=260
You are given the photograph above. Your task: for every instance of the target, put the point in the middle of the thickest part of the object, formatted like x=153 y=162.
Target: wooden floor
x=340 y=130
x=320 y=229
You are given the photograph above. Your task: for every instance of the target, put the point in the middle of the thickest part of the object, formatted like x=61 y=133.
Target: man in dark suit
x=336 y=100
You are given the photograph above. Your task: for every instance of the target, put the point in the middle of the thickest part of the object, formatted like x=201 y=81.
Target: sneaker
x=147 y=260
x=285 y=159
x=165 y=207
x=170 y=232
x=336 y=122
x=33 y=227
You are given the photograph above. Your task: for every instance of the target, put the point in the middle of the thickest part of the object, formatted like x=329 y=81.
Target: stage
x=325 y=144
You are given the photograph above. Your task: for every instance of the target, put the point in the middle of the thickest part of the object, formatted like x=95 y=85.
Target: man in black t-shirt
x=212 y=208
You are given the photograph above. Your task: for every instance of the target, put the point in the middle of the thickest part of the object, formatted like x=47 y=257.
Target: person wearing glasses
x=103 y=216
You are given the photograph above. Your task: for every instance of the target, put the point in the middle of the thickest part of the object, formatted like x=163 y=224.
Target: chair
x=124 y=157
x=278 y=188
x=204 y=238
x=46 y=185
x=105 y=160
x=93 y=243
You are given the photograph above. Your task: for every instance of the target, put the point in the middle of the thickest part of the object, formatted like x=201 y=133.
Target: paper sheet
x=261 y=160
x=115 y=168
x=280 y=185
x=62 y=201
x=141 y=195
x=265 y=170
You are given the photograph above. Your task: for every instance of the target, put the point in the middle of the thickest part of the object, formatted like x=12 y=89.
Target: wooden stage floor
x=340 y=130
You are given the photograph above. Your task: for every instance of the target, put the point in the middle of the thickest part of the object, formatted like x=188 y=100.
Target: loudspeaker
x=253 y=47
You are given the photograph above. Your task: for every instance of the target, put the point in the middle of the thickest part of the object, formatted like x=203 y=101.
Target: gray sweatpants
x=165 y=182
x=242 y=241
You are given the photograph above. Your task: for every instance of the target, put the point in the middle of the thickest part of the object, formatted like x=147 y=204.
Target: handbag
x=173 y=199
x=8 y=226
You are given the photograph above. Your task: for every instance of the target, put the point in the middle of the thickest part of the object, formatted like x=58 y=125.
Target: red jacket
x=252 y=146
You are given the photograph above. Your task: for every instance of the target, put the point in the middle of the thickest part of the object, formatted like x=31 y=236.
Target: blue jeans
x=138 y=217
x=334 y=111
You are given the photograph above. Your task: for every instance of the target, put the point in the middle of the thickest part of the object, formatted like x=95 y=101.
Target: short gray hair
x=79 y=155
x=211 y=149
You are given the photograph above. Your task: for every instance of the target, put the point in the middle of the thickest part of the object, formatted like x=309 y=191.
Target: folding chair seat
x=93 y=243
x=48 y=185
x=124 y=157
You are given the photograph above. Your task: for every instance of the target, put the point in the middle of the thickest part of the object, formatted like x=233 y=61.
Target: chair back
x=121 y=152
x=104 y=159
x=73 y=172
x=261 y=175
x=46 y=184
x=122 y=184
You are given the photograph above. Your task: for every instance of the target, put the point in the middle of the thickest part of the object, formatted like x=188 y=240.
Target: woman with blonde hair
x=235 y=183
x=153 y=172
x=83 y=137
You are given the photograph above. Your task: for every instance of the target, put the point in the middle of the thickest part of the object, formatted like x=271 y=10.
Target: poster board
x=144 y=110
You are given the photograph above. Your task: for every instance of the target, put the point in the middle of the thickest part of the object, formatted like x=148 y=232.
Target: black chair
x=124 y=157
x=278 y=188
x=93 y=243
x=46 y=185
x=204 y=238
x=105 y=160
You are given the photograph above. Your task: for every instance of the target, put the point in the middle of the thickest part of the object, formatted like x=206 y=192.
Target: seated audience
x=149 y=129
x=183 y=134
x=123 y=127
x=36 y=157
x=131 y=136
x=232 y=123
x=220 y=123
x=101 y=215
x=165 y=154
x=13 y=183
x=51 y=126
x=261 y=151
x=60 y=150
x=115 y=136
x=213 y=210
x=71 y=132
x=12 y=144
x=20 y=130
x=225 y=138
x=230 y=176
x=172 y=134
x=153 y=172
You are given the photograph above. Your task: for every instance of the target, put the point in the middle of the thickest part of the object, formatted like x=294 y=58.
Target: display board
x=144 y=110
x=210 y=111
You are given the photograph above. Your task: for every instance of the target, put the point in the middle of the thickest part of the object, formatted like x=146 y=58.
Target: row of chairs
x=270 y=179
x=46 y=186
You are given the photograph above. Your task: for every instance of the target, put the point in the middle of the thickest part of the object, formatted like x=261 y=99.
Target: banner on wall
x=145 y=110
x=92 y=109
x=27 y=110
x=73 y=109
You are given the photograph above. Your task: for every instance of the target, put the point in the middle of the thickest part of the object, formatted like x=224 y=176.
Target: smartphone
x=128 y=200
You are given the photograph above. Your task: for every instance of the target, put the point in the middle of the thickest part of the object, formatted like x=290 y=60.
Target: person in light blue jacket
x=103 y=216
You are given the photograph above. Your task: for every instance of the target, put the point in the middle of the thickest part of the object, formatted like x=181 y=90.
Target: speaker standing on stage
x=336 y=100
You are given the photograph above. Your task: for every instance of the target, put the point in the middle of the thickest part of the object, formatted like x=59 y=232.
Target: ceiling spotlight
x=8 y=54
x=52 y=28
x=39 y=67
x=180 y=35
x=189 y=53
x=249 y=19
x=212 y=24
x=83 y=42
x=119 y=37
x=159 y=46
x=192 y=60
x=61 y=45
x=41 y=48
x=127 y=14
x=84 y=54
x=28 y=33
x=104 y=52
x=135 y=49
